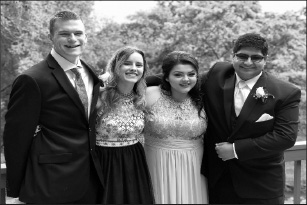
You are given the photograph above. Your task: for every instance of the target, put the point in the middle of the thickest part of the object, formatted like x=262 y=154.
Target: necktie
x=80 y=88
x=239 y=97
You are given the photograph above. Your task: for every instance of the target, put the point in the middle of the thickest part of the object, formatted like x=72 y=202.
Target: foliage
x=204 y=28
x=207 y=30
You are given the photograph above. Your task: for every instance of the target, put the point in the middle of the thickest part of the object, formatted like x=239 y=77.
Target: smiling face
x=69 y=39
x=248 y=69
x=182 y=79
x=131 y=71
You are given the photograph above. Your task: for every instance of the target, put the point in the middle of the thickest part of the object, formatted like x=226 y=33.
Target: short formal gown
x=174 y=149
x=125 y=171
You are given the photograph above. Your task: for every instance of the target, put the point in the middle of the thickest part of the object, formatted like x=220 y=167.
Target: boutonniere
x=263 y=94
x=104 y=79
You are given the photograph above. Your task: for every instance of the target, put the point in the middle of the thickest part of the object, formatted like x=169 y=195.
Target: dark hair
x=180 y=57
x=64 y=16
x=109 y=96
x=251 y=40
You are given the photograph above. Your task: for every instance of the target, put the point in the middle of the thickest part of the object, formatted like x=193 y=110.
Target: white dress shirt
x=250 y=84
x=86 y=77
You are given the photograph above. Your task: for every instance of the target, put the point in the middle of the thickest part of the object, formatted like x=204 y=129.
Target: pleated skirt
x=126 y=175
x=175 y=171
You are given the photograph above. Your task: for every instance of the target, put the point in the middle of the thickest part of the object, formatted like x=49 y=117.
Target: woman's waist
x=118 y=141
x=173 y=143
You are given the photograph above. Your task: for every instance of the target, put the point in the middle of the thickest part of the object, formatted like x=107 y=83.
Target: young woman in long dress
x=174 y=128
x=120 y=123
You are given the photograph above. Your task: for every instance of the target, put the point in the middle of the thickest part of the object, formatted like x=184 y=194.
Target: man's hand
x=224 y=150
x=14 y=200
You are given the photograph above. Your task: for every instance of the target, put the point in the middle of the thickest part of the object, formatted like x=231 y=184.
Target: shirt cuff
x=234 y=150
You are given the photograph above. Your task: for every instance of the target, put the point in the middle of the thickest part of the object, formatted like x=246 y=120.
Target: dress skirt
x=126 y=175
x=175 y=170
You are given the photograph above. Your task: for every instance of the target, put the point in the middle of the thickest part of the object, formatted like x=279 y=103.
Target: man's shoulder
x=281 y=83
x=36 y=68
x=282 y=88
x=222 y=64
x=221 y=67
x=41 y=70
x=220 y=70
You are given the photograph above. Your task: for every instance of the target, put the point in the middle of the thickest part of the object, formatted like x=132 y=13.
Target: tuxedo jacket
x=259 y=170
x=53 y=166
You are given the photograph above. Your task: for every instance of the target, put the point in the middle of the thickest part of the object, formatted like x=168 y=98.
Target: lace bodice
x=121 y=124
x=168 y=119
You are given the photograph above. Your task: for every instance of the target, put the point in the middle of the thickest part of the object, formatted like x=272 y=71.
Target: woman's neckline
x=170 y=97
x=125 y=95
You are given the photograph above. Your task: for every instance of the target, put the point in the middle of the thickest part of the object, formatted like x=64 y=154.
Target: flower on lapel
x=263 y=94
x=104 y=80
x=104 y=77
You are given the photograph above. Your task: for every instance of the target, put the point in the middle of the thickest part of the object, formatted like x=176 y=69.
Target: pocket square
x=265 y=117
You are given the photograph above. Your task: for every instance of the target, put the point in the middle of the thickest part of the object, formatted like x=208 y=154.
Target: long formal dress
x=125 y=171
x=174 y=148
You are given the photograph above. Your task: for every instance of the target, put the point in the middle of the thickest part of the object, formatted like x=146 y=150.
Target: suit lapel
x=61 y=77
x=249 y=108
x=64 y=82
x=228 y=98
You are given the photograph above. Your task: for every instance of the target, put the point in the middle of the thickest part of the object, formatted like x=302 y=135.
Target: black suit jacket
x=54 y=166
x=259 y=170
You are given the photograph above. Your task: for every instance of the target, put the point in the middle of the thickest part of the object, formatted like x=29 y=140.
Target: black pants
x=224 y=193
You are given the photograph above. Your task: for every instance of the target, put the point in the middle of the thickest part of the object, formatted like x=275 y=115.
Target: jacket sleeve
x=283 y=135
x=21 y=120
x=154 y=80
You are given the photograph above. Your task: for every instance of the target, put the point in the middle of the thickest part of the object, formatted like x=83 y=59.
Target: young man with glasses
x=253 y=118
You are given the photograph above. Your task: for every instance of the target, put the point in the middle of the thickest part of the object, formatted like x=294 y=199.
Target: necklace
x=126 y=95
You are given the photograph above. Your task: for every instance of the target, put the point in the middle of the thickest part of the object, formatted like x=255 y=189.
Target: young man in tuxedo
x=251 y=124
x=49 y=135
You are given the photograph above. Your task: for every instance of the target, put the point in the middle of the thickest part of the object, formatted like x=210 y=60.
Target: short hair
x=176 y=58
x=64 y=16
x=253 y=40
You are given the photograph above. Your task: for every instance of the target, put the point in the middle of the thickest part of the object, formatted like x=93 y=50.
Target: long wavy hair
x=180 y=57
x=109 y=96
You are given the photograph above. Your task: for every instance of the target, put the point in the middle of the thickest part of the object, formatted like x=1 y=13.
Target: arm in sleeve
x=154 y=80
x=21 y=119
x=282 y=137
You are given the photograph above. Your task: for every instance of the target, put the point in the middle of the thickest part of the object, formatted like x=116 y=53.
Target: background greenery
x=204 y=28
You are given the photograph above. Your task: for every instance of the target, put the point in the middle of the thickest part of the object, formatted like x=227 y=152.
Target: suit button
x=89 y=129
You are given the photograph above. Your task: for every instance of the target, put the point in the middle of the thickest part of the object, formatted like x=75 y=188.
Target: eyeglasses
x=245 y=57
